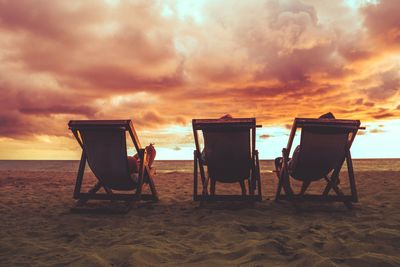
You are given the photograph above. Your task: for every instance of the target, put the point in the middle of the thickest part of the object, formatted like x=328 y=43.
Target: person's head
x=328 y=115
x=227 y=116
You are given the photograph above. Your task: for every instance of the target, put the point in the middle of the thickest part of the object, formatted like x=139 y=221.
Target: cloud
x=376 y=131
x=274 y=60
x=116 y=78
x=288 y=126
x=265 y=136
x=180 y=120
x=369 y=104
x=384 y=115
x=388 y=85
x=148 y=119
x=59 y=109
x=382 y=21
x=36 y=111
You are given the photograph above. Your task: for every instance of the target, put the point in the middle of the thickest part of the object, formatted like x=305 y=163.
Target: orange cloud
x=382 y=22
x=270 y=59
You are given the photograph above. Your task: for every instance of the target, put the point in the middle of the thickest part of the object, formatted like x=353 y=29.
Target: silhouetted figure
x=203 y=153
x=104 y=149
x=293 y=161
x=134 y=161
x=230 y=153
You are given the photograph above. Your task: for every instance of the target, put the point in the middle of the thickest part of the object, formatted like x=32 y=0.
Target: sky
x=163 y=63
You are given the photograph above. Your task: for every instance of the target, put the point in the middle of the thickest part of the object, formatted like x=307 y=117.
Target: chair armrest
x=254 y=157
x=285 y=153
x=196 y=154
x=152 y=171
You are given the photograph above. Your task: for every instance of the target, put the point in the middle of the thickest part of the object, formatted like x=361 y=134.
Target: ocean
x=181 y=166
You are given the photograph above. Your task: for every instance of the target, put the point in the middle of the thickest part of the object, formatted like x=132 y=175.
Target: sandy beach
x=128 y=85
x=37 y=228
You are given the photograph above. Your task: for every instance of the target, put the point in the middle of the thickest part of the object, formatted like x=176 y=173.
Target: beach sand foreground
x=38 y=229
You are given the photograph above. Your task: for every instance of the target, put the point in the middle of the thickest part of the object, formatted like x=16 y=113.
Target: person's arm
x=151 y=154
x=133 y=163
x=293 y=161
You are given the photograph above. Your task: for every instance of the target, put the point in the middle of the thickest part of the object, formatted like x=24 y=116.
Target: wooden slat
x=226 y=120
x=291 y=136
x=321 y=198
x=195 y=175
x=134 y=136
x=335 y=126
x=98 y=123
x=258 y=173
x=199 y=124
x=352 y=180
x=101 y=210
x=226 y=198
x=79 y=177
x=311 y=121
x=118 y=197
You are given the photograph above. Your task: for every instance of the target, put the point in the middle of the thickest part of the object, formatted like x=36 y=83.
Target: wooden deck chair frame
x=332 y=181
x=144 y=175
x=254 y=181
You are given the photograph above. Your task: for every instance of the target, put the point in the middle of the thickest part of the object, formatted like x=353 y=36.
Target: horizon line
x=158 y=159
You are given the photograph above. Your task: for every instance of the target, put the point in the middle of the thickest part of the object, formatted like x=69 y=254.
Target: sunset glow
x=162 y=63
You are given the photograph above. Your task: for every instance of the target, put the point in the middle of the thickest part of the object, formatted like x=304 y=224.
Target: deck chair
x=230 y=157
x=104 y=147
x=324 y=147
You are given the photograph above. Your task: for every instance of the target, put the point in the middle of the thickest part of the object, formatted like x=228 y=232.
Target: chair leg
x=278 y=190
x=213 y=184
x=250 y=184
x=243 y=187
x=278 y=167
x=281 y=166
x=334 y=179
x=339 y=192
x=79 y=177
x=326 y=190
x=258 y=178
x=93 y=190
x=334 y=176
x=108 y=190
x=195 y=176
x=304 y=187
x=153 y=189
x=205 y=186
x=284 y=184
x=352 y=180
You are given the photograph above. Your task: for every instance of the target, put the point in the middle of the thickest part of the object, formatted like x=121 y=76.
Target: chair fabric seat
x=227 y=155
x=320 y=152
x=107 y=157
x=324 y=147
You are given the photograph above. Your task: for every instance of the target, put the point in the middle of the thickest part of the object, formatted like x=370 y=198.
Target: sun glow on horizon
x=379 y=140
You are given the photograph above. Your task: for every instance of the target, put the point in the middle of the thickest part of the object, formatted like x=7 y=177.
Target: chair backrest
x=228 y=146
x=324 y=144
x=104 y=143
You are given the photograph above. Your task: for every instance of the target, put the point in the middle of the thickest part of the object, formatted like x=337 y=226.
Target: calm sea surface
x=183 y=166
